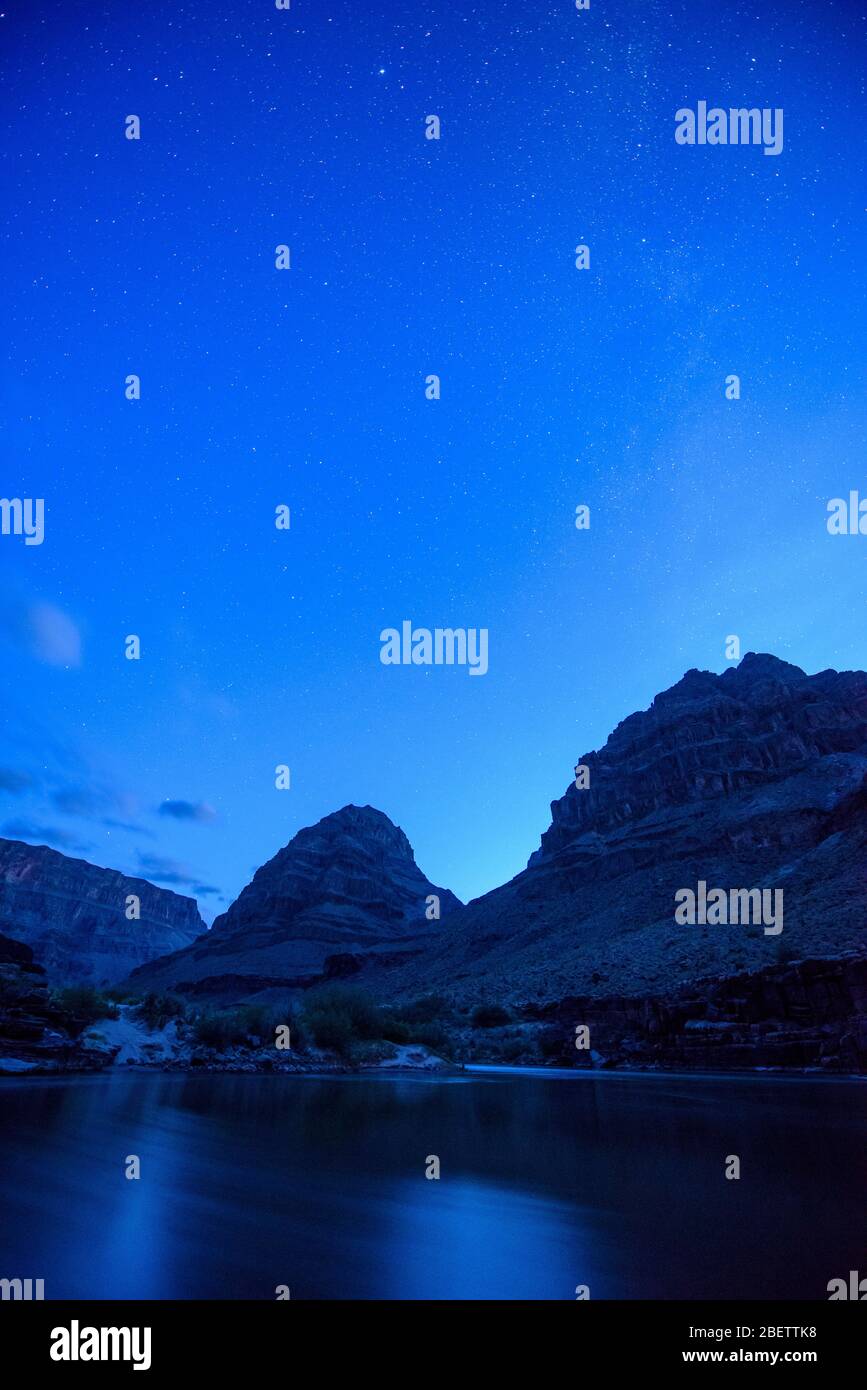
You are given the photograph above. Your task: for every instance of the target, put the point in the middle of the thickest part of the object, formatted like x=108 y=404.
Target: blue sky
x=306 y=387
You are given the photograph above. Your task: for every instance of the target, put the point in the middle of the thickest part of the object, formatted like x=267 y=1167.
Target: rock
x=806 y=1015
x=340 y=891
x=72 y=915
x=753 y=778
x=128 y=1039
x=756 y=778
x=409 y=1057
x=31 y=1039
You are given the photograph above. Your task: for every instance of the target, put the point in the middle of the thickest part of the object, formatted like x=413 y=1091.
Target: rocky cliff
x=807 y=1014
x=73 y=915
x=36 y=1033
x=756 y=778
x=350 y=883
x=752 y=781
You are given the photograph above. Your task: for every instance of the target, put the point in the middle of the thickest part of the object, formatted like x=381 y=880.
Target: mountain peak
x=357 y=826
x=357 y=816
x=712 y=738
x=754 y=779
x=754 y=667
x=345 y=887
x=764 y=666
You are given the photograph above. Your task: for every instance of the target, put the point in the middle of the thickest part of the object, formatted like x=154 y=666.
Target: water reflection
x=547 y=1182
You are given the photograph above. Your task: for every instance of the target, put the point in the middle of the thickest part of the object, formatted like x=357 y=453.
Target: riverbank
x=802 y=1018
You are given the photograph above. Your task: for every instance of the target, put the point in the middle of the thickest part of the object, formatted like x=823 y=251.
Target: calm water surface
x=548 y=1181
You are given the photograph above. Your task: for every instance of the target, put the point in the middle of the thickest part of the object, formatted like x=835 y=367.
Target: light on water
x=548 y=1181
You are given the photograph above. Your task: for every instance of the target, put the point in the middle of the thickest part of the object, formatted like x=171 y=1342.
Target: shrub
x=490 y=1016
x=301 y=1038
x=258 y=1021
x=337 y=1015
x=250 y=1025
x=156 y=1010
x=553 y=1046
x=218 y=1029
x=395 y=1029
x=513 y=1049
x=426 y=1009
x=121 y=994
x=432 y=1035
x=421 y=1021
x=81 y=1005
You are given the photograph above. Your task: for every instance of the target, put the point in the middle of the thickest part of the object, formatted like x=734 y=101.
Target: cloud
x=98 y=804
x=170 y=871
x=198 y=811
x=78 y=801
x=111 y=824
x=11 y=780
x=68 y=781
x=163 y=870
x=54 y=637
x=44 y=834
x=42 y=629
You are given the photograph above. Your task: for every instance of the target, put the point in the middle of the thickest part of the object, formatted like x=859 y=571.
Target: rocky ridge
x=73 y=915
x=753 y=778
x=348 y=883
x=756 y=778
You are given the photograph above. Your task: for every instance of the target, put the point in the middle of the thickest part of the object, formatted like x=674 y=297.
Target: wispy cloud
x=78 y=801
x=98 y=803
x=163 y=870
x=111 y=823
x=43 y=630
x=198 y=811
x=159 y=869
x=11 y=780
x=54 y=638
x=44 y=834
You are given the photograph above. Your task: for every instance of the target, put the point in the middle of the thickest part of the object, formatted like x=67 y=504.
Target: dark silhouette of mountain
x=73 y=915
x=756 y=778
x=347 y=884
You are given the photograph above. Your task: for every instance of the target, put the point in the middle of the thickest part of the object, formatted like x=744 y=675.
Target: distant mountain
x=73 y=915
x=348 y=884
x=756 y=778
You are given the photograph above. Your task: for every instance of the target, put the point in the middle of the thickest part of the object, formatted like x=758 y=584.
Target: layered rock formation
x=753 y=779
x=73 y=915
x=347 y=884
x=808 y=1014
x=35 y=1035
x=756 y=778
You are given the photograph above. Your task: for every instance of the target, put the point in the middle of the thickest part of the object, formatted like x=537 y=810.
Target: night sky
x=306 y=387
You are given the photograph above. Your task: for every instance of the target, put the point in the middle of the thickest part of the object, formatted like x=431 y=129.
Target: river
x=548 y=1181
